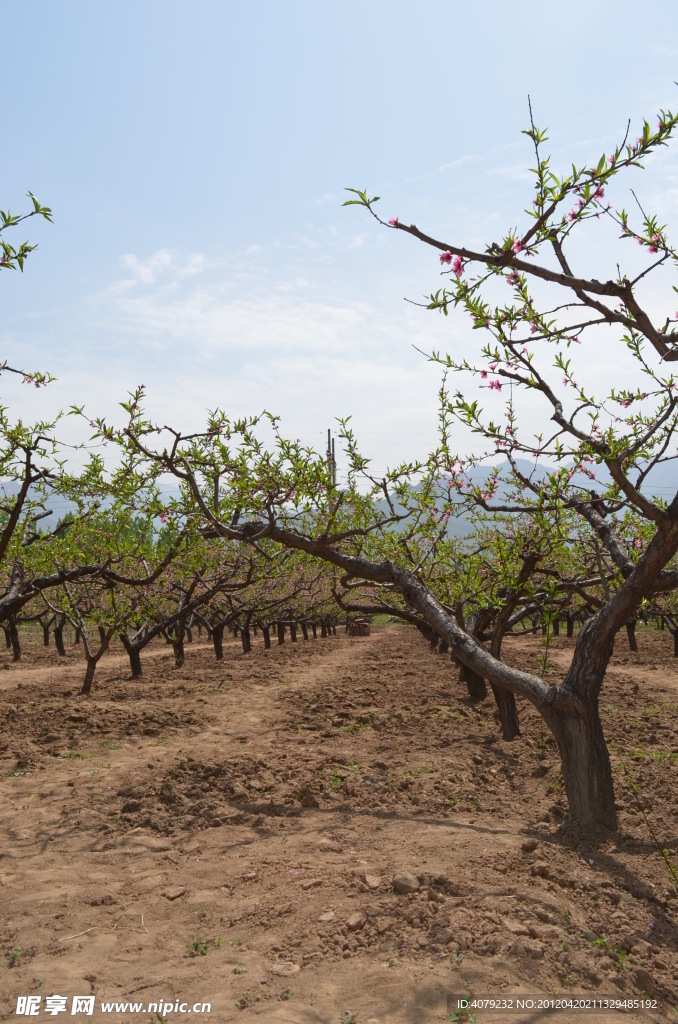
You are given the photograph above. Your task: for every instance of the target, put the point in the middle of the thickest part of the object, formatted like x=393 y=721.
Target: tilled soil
x=327 y=831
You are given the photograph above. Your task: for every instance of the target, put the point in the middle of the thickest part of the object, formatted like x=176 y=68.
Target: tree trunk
x=475 y=684
x=89 y=676
x=508 y=712
x=14 y=640
x=315 y=630
x=333 y=627
x=443 y=647
x=304 y=630
x=323 y=628
x=674 y=633
x=586 y=766
x=218 y=641
x=45 y=634
x=631 y=634
x=59 y=639
x=266 y=630
x=77 y=635
x=570 y=625
x=178 y=648
x=281 y=633
x=293 y=632
x=134 y=656
x=556 y=627
x=189 y=635
x=246 y=640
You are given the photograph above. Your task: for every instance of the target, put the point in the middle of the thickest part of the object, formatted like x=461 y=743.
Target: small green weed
x=18 y=955
x=198 y=946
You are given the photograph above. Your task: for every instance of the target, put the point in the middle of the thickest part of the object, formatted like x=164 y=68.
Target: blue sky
x=194 y=156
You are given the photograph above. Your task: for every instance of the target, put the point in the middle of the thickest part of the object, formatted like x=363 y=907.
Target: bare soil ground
x=230 y=833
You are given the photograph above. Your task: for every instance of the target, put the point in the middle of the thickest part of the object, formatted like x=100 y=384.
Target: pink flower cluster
x=456 y=262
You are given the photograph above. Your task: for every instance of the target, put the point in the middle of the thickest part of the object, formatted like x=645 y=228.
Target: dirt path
x=230 y=833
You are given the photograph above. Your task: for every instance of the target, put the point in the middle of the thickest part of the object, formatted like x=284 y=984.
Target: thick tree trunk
x=323 y=628
x=218 y=642
x=189 y=635
x=78 y=635
x=314 y=627
x=246 y=640
x=304 y=630
x=45 y=634
x=281 y=633
x=443 y=647
x=293 y=632
x=266 y=630
x=556 y=627
x=674 y=633
x=570 y=625
x=89 y=677
x=586 y=766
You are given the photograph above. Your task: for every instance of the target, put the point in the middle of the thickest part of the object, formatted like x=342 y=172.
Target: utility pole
x=331 y=459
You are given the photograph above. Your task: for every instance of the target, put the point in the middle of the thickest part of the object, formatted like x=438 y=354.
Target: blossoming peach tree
x=542 y=321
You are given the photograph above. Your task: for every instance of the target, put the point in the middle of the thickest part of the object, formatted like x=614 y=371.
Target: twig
x=77 y=935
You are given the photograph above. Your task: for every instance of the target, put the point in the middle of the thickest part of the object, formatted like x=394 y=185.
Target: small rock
x=443 y=937
x=515 y=927
x=528 y=845
x=388 y=945
x=383 y=924
x=372 y=881
x=534 y=949
x=545 y=932
x=404 y=882
x=312 y=883
x=284 y=970
x=356 y=921
x=239 y=791
x=329 y=846
x=644 y=980
x=328 y=916
x=540 y=868
x=174 y=893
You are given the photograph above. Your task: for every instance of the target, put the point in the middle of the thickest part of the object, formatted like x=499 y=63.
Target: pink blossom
x=457 y=266
x=514 y=277
x=483 y=374
x=393 y=222
x=517 y=245
x=572 y=215
x=495 y=385
x=446 y=257
x=599 y=193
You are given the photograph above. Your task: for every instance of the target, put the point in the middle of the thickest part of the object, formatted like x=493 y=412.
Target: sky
x=195 y=158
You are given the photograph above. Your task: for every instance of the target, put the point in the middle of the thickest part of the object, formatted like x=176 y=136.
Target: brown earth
x=230 y=833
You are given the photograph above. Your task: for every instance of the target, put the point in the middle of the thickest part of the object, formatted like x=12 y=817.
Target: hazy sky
x=194 y=156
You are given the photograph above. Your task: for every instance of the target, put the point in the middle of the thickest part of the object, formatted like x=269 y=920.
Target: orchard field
x=236 y=832
x=213 y=793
